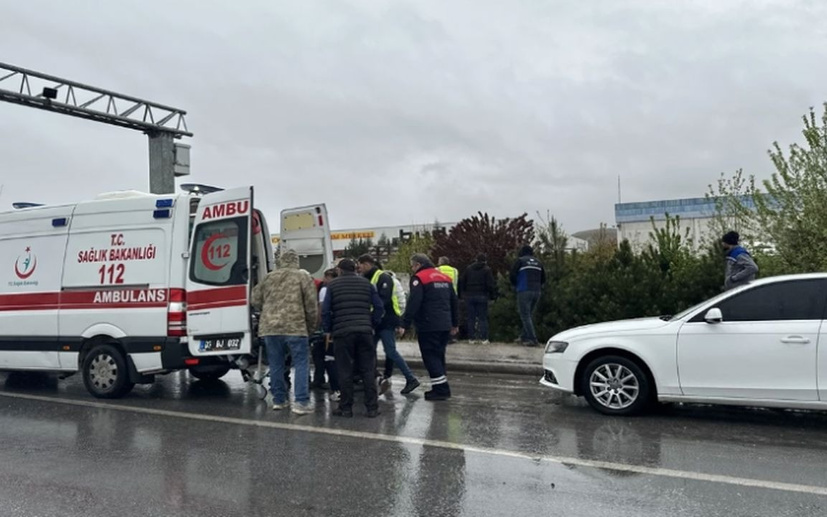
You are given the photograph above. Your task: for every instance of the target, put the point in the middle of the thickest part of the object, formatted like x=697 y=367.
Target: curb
x=534 y=370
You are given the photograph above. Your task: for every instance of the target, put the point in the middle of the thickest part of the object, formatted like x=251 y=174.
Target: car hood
x=611 y=327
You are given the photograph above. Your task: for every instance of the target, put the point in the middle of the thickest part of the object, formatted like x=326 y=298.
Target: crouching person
x=289 y=314
x=351 y=311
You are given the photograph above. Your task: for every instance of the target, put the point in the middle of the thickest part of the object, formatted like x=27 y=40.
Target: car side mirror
x=714 y=315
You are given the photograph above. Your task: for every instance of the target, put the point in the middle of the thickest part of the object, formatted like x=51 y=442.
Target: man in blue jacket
x=740 y=268
x=528 y=277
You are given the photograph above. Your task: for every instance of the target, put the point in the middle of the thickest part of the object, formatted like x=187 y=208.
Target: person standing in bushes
x=528 y=276
x=740 y=267
x=477 y=287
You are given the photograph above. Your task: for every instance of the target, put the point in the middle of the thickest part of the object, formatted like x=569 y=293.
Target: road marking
x=560 y=460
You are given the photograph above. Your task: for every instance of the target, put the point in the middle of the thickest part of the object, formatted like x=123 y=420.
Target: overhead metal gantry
x=162 y=124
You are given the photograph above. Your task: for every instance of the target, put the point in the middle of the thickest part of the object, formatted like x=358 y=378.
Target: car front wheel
x=615 y=385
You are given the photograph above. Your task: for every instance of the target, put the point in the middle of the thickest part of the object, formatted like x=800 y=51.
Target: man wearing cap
x=528 y=277
x=740 y=267
x=432 y=308
x=289 y=314
x=351 y=311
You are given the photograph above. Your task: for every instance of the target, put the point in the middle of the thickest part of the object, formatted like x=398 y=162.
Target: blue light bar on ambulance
x=162 y=214
x=164 y=203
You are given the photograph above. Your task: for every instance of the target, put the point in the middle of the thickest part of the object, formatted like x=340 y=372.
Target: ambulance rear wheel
x=105 y=374
x=209 y=373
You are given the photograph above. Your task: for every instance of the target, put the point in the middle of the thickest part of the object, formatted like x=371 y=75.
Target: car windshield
x=694 y=308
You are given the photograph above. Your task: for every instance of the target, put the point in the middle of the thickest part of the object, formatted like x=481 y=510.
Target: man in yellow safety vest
x=386 y=332
x=446 y=268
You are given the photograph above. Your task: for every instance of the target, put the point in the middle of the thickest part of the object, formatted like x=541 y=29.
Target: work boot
x=347 y=413
x=410 y=386
x=435 y=396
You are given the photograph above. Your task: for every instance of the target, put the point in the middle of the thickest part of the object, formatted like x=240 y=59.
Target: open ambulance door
x=306 y=230
x=218 y=276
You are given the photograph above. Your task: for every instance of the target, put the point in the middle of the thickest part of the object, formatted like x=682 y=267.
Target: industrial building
x=634 y=220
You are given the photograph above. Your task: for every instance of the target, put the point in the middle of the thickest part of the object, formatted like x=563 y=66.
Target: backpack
x=399 y=291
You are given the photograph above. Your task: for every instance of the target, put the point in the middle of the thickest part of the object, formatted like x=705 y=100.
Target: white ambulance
x=130 y=285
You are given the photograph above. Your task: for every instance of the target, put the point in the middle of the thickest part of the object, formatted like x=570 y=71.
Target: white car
x=757 y=345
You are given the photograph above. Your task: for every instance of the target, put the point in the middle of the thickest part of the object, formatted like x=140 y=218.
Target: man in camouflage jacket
x=289 y=314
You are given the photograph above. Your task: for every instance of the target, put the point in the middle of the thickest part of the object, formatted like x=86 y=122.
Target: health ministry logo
x=26 y=264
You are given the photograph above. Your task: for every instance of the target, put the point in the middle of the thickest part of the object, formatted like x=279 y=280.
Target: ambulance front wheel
x=105 y=374
x=209 y=373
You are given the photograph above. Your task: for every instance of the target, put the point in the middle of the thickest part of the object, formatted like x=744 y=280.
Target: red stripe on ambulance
x=217 y=298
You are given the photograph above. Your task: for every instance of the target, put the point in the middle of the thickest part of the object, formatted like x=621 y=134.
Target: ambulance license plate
x=213 y=345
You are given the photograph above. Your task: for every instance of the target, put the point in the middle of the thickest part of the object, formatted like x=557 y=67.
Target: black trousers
x=432 y=346
x=356 y=352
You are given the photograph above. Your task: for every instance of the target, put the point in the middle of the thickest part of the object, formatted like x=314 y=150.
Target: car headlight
x=556 y=347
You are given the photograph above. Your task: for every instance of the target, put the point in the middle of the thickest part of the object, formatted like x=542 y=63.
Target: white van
x=306 y=230
x=130 y=285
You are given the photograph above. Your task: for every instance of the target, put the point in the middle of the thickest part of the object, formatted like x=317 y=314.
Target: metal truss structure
x=50 y=93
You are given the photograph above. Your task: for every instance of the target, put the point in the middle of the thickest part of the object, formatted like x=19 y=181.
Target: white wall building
x=341 y=238
x=634 y=220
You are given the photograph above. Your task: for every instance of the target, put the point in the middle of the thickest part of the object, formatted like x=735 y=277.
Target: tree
x=400 y=262
x=355 y=247
x=793 y=212
x=734 y=200
x=498 y=238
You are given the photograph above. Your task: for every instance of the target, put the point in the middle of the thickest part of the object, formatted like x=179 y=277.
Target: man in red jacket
x=432 y=308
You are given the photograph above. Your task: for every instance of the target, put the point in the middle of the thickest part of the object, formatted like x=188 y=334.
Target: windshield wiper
x=666 y=317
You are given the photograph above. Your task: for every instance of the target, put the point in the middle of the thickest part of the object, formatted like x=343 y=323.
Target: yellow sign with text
x=352 y=235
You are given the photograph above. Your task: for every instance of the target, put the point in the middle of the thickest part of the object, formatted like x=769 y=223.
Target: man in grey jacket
x=740 y=268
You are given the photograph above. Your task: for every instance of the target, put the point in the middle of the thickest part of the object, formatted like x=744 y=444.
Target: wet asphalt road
x=501 y=446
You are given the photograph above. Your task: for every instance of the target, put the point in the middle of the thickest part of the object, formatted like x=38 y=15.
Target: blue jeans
x=392 y=357
x=477 y=312
x=526 y=302
x=277 y=349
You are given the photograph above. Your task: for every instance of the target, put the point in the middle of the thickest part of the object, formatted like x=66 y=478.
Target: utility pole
x=162 y=124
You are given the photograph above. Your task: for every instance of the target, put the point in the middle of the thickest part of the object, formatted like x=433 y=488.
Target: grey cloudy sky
x=399 y=112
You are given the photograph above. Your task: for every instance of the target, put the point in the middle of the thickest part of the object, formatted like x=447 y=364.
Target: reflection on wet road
x=501 y=446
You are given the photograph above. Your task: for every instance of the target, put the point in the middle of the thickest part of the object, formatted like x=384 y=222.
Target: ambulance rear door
x=218 y=278
x=306 y=231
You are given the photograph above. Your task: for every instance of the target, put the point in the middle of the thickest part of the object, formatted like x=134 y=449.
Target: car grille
x=549 y=376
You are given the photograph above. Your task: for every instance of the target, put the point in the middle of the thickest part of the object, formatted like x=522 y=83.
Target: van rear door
x=306 y=230
x=218 y=278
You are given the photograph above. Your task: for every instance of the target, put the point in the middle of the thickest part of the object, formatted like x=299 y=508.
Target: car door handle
x=796 y=340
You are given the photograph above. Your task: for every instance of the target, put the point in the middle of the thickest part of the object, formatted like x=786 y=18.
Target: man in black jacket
x=528 y=277
x=477 y=287
x=432 y=307
x=351 y=311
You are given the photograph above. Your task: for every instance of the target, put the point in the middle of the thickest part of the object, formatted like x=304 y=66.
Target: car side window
x=793 y=300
